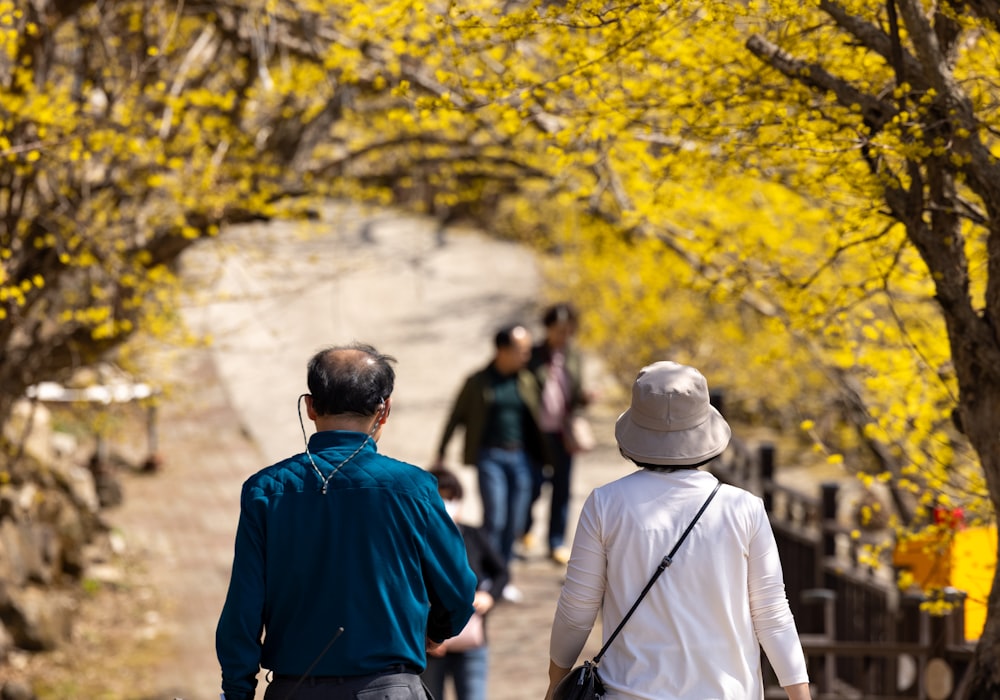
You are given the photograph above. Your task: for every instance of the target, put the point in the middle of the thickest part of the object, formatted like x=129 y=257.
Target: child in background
x=465 y=657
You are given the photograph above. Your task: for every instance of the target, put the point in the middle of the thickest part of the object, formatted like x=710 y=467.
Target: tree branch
x=876 y=112
x=872 y=37
x=988 y=10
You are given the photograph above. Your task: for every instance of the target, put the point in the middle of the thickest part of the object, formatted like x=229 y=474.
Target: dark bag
x=582 y=683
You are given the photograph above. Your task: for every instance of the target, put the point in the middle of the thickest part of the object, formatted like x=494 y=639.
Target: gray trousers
x=381 y=686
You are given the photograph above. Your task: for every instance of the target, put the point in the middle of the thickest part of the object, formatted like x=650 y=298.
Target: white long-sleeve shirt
x=698 y=632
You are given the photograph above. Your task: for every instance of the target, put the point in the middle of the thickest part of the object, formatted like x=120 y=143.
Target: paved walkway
x=279 y=295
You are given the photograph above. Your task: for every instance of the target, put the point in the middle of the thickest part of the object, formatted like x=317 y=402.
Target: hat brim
x=673 y=448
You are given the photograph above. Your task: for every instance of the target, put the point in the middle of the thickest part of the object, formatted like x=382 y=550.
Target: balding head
x=513 y=349
x=350 y=379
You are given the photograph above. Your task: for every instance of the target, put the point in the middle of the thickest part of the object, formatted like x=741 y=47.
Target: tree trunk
x=985 y=683
x=980 y=405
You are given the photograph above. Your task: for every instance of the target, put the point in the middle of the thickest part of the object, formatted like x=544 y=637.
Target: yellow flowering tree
x=127 y=131
x=801 y=198
x=794 y=196
x=797 y=197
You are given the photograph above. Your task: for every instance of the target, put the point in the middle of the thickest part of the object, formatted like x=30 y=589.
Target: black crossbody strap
x=664 y=563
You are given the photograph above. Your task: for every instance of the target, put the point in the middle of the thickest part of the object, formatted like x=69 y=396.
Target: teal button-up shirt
x=377 y=554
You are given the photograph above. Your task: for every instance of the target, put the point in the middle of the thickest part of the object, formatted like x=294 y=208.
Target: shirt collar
x=327 y=439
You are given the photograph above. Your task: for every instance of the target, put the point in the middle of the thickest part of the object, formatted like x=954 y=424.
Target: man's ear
x=310 y=411
x=385 y=411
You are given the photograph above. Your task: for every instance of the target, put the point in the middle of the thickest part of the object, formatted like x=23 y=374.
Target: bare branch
x=196 y=54
x=933 y=60
x=875 y=112
x=989 y=10
x=870 y=36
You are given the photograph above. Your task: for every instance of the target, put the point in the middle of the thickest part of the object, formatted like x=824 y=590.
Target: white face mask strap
x=452 y=507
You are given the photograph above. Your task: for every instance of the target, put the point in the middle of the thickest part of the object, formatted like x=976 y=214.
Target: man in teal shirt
x=342 y=538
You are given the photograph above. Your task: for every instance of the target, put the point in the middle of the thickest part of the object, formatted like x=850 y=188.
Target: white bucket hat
x=671 y=421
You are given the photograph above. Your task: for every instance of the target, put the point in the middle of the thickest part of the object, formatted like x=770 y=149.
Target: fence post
x=152 y=462
x=101 y=451
x=954 y=622
x=152 y=431
x=828 y=516
x=829 y=634
x=766 y=455
x=717 y=397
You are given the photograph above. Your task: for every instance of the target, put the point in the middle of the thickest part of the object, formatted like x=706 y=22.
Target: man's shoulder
x=399 y=466
x=480 y=375
x=389 y=471
x=290 y=472
x=475 y=382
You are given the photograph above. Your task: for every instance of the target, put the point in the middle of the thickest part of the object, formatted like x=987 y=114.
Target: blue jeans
x=505 y=489
x=468 y=671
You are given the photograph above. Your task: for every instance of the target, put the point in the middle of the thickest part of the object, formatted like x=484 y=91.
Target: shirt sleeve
x=450 y=581
x=583 y=591
x=772 y=618
x=458 y=415
x=241 y=625
x=491 y=570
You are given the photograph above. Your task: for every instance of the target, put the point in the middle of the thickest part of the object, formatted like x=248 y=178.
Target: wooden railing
x=862 y=637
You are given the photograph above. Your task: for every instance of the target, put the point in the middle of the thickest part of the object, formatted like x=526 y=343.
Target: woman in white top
x=697 y=634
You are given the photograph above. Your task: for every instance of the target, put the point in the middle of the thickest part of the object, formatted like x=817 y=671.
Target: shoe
x=522 y=547
x=512 y=594
x=560 y=555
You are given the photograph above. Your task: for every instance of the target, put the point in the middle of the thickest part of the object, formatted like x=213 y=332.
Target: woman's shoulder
x=737 y=492
x=742 y=504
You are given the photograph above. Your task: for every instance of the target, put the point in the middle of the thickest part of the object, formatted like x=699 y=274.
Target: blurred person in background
x=498 y=408
x=558 y=367
x=465 y=658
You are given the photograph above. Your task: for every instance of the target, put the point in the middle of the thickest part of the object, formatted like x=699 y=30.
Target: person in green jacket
x=498 y=406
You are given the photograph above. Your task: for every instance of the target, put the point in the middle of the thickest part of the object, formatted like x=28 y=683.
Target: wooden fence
x=864 y=639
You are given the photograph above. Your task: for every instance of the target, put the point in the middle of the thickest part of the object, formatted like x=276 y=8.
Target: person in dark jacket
x=347 y=567
x=465 y=658
x=558 y=367
x=498 y=407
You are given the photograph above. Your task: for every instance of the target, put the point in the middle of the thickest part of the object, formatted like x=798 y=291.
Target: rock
x=6 y=642
x=31 y=422
x=52 y=529
x=16 y=690
x=38 y=619
x=64 y=445
x=22 y=552
x=105 y=574
x=109 y=489
x=80 y=485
